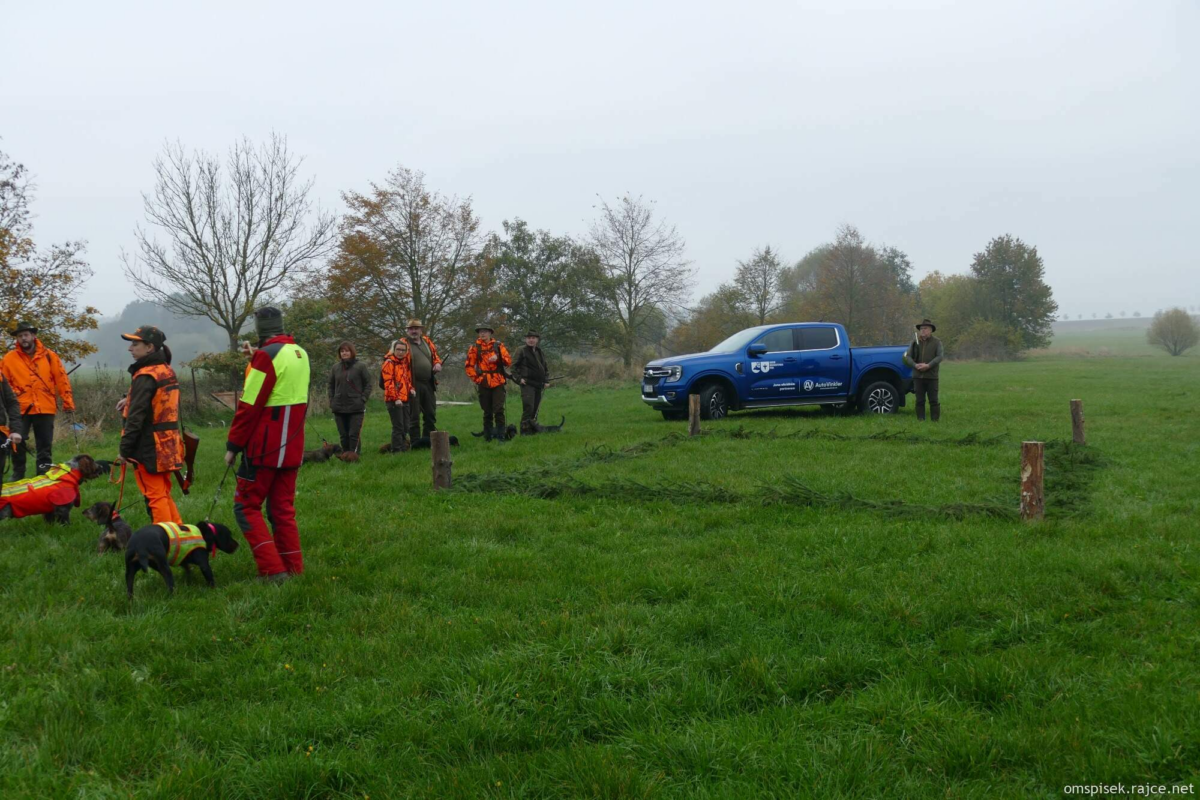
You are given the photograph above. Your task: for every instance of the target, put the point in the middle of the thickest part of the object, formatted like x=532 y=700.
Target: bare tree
x=406 y=251
x=235 y=232
x=758 y=281
x=643 y=257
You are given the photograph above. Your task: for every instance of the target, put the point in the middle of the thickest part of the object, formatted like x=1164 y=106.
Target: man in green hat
x=925 y=356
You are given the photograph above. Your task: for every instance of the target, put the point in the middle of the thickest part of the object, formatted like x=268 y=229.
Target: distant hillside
x=186 y=336
x=1086 y=325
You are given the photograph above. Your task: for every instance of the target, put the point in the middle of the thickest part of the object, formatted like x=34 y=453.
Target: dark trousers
x=923 y=389
x=399 y=416
x=492 y=403
x=531 y=400
x=349 y=427
x=41 y=426
x=422 y=407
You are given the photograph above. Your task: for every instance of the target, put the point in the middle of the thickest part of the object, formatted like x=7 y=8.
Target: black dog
x=53 y=494
x=423 y=443
x=153 y=546
x=530 y=428
x=498 y=434
x=116 y=530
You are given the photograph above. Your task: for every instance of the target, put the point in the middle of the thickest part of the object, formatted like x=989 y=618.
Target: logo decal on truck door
x=764 y=366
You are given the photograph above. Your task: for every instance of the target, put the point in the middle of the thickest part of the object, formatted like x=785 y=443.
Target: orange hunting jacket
x=39 y=380
x=484 y=367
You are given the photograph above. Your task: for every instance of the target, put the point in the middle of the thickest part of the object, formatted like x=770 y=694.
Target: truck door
x=773 y=375
x=824 y=362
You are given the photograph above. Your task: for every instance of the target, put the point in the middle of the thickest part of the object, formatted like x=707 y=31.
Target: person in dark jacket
x=151 y=437
x=10 y=423
x=924 y=356
x=349 y=388
x=532 y=373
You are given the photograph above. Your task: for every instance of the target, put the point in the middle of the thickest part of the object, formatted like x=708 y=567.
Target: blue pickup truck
x=792 y=364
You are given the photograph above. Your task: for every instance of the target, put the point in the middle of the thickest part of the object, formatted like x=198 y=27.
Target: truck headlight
x=674 y=374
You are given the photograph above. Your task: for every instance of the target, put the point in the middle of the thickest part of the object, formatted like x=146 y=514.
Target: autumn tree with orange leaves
x=406 y=251
x=39 y=284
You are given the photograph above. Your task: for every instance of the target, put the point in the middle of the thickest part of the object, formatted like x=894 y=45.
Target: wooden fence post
x=693 y=415
x=1033 y=498
x=195 y=391
x=1077 y=432
x=439 y=446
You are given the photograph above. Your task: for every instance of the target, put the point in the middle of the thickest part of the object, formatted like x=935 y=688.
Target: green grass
x=1112 y=337
x=664 y=628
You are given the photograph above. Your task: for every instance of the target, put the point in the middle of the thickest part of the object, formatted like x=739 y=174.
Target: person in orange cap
x=151 y=437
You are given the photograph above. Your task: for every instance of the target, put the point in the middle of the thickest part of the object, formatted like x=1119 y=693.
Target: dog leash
x=217 y=495
x=116 y=509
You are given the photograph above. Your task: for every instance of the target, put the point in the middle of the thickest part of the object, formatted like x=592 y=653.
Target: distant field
x=792 y=604
x=1126 y=337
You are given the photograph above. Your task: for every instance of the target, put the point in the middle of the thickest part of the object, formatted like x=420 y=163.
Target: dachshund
x=321 y=454
x=530 y=428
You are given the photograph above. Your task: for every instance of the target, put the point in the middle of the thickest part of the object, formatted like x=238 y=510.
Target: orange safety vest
x=168 y=440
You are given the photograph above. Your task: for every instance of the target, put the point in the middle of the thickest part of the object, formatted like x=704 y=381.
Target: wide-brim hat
x=414 y=323
x=148 y=334
x=483 y=326
x=24 y=326
x=925 y=322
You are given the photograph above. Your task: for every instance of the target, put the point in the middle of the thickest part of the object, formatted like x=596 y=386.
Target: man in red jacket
x=268 y=430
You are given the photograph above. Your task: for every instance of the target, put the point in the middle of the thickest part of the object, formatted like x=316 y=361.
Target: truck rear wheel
x=879 y=398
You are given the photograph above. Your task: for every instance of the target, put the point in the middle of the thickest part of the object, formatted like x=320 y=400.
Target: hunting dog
x=510 y=432
x=348 y=456
x=117 y=531
x=156 y=546
x=423 y=443
x=53 y=494
x=321 y=454
x=530 y=428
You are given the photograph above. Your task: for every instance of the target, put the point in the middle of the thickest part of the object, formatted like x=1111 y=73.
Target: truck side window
x=778 y=341
x=820 y=338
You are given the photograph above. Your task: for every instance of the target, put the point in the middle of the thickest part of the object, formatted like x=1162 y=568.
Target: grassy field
x=793 y=604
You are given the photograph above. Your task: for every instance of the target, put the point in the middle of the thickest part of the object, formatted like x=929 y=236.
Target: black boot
x=935 y=411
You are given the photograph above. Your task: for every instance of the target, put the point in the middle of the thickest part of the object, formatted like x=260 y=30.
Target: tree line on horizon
x=225 y=235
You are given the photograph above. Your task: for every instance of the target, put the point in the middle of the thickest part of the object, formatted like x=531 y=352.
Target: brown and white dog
x=53 y=494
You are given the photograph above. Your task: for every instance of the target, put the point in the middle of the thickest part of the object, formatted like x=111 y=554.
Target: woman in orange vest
x=151 y=438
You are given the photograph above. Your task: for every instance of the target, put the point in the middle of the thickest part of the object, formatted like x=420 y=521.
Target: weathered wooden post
x=439 y=446
x=1033 y=498
x=693 y=415
x=195 y=391
x=1077 y=432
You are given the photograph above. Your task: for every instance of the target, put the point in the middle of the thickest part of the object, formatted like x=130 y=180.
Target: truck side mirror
x=757 y=349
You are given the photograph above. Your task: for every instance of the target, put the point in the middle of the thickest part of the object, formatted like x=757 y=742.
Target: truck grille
x=654 y=373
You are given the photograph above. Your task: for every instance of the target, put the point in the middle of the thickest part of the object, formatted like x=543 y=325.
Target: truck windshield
x=739 y=340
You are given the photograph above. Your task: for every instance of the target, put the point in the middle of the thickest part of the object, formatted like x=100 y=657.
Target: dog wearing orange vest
x=53 y=494
x=163 y=545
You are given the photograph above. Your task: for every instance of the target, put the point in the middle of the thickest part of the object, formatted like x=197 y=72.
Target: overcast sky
x=932 y=126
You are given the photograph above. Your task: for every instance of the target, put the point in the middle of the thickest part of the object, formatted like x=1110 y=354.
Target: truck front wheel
x=714 y=402
x=879 y=398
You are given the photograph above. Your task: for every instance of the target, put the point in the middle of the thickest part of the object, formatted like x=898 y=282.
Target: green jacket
x=349 y=387
x=928 y=352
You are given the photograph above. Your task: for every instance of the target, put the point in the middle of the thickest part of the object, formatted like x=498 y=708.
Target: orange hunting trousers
x=156 y=488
